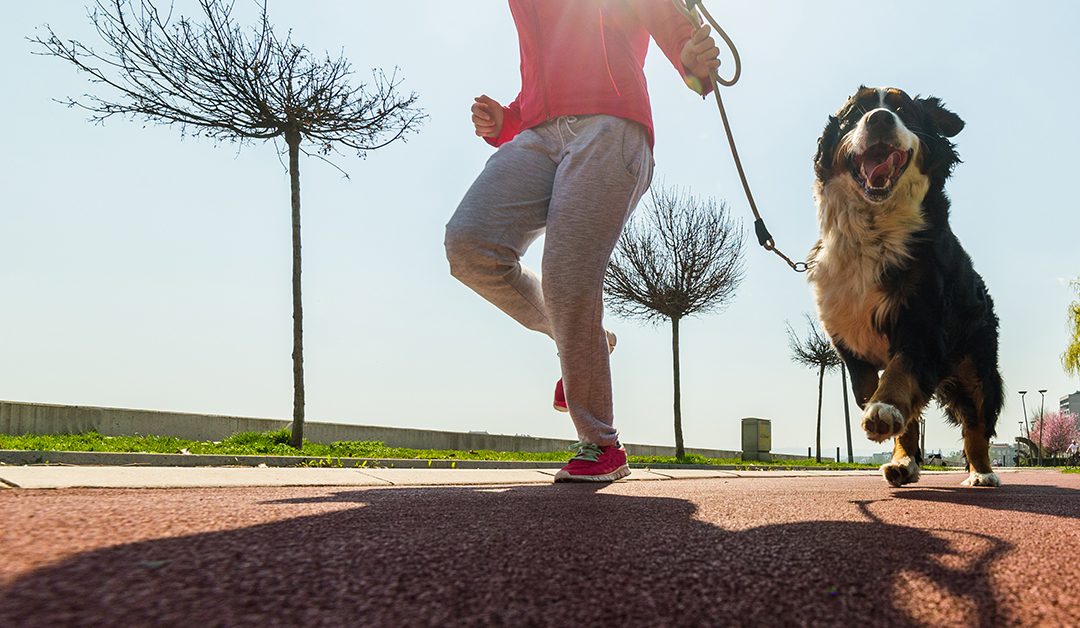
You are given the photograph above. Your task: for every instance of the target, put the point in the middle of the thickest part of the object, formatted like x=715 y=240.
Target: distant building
x=1002 y=454
x=881 y=458
x=955 y=459
x=1071 y=403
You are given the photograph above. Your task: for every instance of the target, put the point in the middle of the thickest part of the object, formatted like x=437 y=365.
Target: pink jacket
x=581 y=57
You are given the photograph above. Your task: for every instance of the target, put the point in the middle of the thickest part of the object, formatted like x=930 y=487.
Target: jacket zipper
x=607 y=61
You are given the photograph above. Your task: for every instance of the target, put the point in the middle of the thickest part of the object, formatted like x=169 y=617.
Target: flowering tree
x=1055 y=430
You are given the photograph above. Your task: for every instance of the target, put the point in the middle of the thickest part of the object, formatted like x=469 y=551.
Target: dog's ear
x=826 y=148
x=947 y=122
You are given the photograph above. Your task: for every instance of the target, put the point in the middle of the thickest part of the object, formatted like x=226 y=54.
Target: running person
x=574 y=158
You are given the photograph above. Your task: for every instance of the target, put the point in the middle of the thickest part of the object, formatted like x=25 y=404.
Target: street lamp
x=1042 y=424
x=1022 y=405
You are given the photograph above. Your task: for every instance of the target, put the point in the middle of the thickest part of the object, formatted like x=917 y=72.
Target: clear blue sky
x=139 y=270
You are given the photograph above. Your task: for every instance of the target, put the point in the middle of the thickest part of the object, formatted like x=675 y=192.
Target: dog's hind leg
x=904 y=468
x=972 y=402
x=977 y=450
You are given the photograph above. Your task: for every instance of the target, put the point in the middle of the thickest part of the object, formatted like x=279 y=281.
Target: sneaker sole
x=619 y=473
x=560 y=408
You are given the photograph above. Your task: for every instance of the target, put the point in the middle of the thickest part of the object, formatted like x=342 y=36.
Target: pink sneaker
x=594 y=463
x=560 y=396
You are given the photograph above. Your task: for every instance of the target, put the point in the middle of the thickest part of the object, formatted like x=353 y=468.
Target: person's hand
x=700 y=56
x=487 y=117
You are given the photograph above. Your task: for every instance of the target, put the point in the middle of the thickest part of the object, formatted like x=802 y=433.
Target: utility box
x=756 y=439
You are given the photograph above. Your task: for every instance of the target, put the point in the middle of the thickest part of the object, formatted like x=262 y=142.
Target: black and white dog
x=895 y=291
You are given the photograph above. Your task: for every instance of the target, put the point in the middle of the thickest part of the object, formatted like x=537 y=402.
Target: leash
x=694 y=10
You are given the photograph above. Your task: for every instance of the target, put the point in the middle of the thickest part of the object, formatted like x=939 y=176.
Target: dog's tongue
x=879 y=175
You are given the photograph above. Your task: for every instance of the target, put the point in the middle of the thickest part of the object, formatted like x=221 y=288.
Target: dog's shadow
x=560 y=556
x=1037 y=499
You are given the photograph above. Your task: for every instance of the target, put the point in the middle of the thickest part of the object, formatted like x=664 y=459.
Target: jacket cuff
x=701 y=87
x=510 y=128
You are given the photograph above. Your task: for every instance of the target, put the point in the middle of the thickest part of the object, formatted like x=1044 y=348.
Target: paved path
x=739 y=551
x=214 y=477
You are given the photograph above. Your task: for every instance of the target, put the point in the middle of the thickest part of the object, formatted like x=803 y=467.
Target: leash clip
x=766 y=241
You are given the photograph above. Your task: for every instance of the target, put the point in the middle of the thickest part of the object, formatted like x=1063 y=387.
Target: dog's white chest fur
x=859 y=242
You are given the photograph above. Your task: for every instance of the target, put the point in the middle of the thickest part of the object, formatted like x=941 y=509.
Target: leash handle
x=697 y=9
x=693 y=10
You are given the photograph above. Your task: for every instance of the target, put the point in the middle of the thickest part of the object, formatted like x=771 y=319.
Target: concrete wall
x=34 y=418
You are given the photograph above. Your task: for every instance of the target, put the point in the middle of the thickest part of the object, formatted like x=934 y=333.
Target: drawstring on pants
x=567 y=120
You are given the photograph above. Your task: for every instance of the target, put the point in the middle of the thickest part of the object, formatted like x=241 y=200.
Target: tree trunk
x=820 y=391
x=847 y=412
x=922 y=438
x=680 y=451
x=292 y=138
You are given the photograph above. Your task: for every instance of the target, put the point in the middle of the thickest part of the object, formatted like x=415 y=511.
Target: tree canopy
x=683 y=257
x=1071 y=358
x=814 y=350
x=218 y=79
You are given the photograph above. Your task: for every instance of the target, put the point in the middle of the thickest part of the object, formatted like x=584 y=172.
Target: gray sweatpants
x=578 y=178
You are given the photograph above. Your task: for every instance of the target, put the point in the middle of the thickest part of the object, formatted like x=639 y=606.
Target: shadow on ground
x=1036 y=499
x=538 y=555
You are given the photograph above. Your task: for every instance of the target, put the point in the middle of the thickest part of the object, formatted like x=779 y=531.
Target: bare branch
x=815 y=350
x=217 y=79
x=683 y=257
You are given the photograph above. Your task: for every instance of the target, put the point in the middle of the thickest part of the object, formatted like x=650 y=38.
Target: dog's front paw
x=900 y=471
x=982 y=479
x=882 y=421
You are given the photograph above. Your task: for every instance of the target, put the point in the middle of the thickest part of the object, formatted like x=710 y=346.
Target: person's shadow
x=560 y=556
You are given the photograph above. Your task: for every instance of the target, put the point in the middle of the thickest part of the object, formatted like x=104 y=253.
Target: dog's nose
x=881 y=119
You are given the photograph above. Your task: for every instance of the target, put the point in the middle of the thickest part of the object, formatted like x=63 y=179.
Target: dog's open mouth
x=879 y=168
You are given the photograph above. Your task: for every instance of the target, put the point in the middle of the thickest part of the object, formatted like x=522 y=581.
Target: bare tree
x=683 y=257
x=219 y=80
x=815 y=351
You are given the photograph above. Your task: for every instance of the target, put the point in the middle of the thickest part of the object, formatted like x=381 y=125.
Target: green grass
x=1071 y=470
x=276 y=444
x=702 y=460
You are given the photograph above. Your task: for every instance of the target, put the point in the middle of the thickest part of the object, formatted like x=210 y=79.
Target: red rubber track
x=741 y=552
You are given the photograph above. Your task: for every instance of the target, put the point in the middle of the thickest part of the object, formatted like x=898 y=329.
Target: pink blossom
x=1061 y=428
